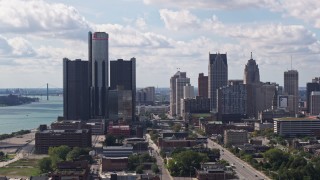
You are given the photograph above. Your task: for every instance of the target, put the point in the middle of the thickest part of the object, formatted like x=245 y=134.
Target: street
x=243 y=169
x=164 y=173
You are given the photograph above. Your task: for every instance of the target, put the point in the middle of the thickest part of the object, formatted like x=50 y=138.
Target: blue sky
x=163 y=35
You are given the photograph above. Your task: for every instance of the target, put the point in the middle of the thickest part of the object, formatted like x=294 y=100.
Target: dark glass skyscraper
x=123 y=77
x=203 y=85
x=217 y=76
x=98 y=65
x=75 y=90
x=312 y=86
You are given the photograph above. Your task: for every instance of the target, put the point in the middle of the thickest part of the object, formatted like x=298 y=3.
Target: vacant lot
x=21 y=168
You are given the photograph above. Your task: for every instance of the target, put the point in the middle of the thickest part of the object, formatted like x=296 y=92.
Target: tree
x=110 y=140
x=139 y=169
x=76 y=153
x=1 y=154
x=176 y=127
x=155 y=168
x=60 y=152
x=45 y=165
x=184 y=162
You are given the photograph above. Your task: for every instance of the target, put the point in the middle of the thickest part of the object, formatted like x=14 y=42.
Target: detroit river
x=30 y=116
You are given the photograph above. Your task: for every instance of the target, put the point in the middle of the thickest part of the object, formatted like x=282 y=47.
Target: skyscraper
x=177 y=81
x=315 y=103
x=291 y=87
x=217 y=76
x=312 y=86
x=98 y=61
x=123 y=74
x=252 y=81
x=251 y=72
x=75 y=90
x=203 y=85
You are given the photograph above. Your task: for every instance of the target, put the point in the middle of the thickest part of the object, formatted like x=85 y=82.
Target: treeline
x=61 y=154
x=18 y=133
x=14 y=100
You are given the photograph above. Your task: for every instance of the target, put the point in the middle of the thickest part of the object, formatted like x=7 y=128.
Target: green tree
x=59 y=152
x=45 y=165
x=1 y=154
x=110 y=140
x=155 y=168
x=139 y=169
x=184 y=162
x=176 y=127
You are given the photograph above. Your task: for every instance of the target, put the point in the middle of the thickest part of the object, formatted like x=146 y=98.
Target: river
x=30 y=116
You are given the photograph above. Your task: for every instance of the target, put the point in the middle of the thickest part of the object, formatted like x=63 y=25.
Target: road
x=164 y=173
x=243 y=169
x=23 y=152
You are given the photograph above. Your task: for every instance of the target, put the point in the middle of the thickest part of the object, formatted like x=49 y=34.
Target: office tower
x=217 y=76
x=98 y=60
x=120 y=104
x=188 y=91
x=146 y=96
x=264 y=96
x=177 y=81
x=313 y=86
x=75 y=90
x=232 y=99
x=291 y=87
x=315 y=103
x=251 y=72
x=203 y=85
x=123 y=74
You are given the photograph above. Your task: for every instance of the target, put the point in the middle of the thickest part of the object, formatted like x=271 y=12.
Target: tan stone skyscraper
x=252 y=81
x=291 y=87
x=251 y=72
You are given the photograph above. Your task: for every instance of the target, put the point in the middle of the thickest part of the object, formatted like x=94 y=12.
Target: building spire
x=251 y=55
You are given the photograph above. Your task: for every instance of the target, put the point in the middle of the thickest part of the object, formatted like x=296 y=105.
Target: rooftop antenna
x=291 y=62
x=251 y=55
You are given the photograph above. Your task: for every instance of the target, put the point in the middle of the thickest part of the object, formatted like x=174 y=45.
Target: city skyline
x=36 y=35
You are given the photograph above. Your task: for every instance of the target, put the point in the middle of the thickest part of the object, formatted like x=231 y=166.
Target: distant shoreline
x=14 y=100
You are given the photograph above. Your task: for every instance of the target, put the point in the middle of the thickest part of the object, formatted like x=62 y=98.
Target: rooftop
x=310 y=118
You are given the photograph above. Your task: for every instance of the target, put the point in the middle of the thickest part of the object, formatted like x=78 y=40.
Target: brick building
x=53 y=138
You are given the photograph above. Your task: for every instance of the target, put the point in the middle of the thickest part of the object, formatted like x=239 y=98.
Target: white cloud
x=176 y=20
x=141 y=23
x=307 y=10
x=38 y=16
x=212 y=4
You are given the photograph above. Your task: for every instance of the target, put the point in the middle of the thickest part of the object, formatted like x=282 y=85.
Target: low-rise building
x=235 y=137
x=53 y=138
x=262 y=126
x=114 y=164
x=117 y=151
x=153 y=109
x=292 y=127
x=71 y=170
x=213 y=171
x=171 y=143
x=97 y=126
x=119 y=130
x=138 y=144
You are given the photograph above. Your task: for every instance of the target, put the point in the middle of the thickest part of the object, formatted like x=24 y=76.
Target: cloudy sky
x=163 y=35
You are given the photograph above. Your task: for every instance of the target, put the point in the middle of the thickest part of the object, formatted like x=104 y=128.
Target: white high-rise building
x=177 y=82
x=188 y=91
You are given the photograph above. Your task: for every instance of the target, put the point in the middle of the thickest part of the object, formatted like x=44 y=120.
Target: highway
x=243 y=169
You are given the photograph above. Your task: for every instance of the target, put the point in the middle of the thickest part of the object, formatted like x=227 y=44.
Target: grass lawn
x=21 y=168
